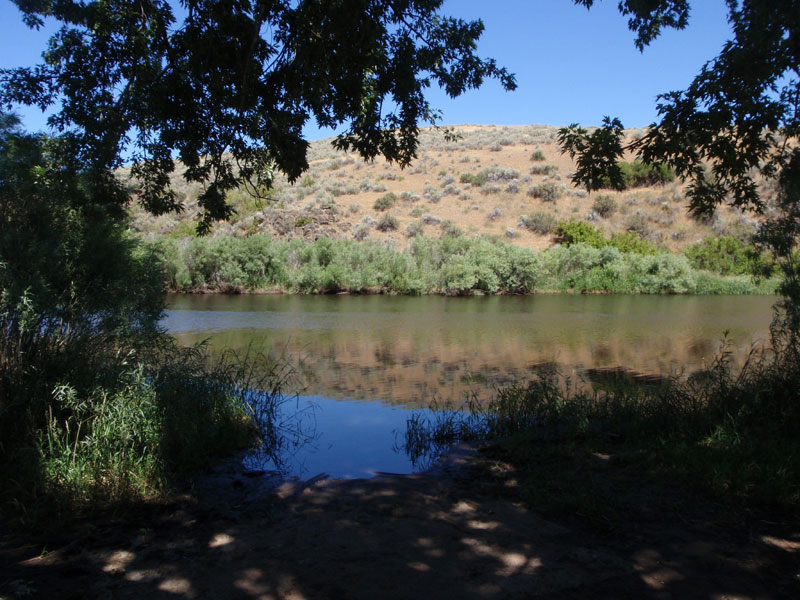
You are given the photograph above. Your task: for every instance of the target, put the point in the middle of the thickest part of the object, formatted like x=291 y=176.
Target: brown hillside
x=337 y=196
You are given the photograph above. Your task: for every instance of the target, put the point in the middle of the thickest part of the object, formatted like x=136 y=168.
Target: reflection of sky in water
x=410 y=351
x=345 y=439
x=216 y=321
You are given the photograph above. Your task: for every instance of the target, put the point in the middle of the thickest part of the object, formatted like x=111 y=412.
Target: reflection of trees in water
x=415 y=356
x=397 y=375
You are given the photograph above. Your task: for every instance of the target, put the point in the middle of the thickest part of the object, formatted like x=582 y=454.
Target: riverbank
x=458 y=533
x=451 y=265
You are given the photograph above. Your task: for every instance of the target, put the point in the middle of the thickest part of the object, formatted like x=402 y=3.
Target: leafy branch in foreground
x=228 y=88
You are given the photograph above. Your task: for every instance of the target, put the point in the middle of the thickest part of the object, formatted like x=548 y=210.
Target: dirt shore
x=453 y=532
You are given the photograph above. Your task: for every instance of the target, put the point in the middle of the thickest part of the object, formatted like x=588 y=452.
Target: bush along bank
x=451 y=265
x=728 y=432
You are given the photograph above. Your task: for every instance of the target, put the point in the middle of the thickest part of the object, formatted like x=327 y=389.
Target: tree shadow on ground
x=438 y=535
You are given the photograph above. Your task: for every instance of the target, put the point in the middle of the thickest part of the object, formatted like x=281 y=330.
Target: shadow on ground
x=447 y=534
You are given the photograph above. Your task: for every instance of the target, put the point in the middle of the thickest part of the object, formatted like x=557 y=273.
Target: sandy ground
x=453 y=532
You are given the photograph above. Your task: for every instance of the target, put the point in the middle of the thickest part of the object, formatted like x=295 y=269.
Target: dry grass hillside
x=521 y=189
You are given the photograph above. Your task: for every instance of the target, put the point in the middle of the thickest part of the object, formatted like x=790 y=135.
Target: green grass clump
x=303 y=221
x=132 y=435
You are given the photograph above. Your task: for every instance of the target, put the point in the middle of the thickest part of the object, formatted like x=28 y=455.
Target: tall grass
x=452 y=265
x=102 y=422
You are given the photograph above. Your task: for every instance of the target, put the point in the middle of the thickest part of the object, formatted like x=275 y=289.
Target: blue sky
x=572 y=65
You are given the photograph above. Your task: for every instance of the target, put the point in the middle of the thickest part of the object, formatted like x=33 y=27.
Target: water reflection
x=410 y=351
x=342 y=439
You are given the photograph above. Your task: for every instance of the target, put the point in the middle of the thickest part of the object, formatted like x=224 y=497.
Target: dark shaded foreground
x=451 y=533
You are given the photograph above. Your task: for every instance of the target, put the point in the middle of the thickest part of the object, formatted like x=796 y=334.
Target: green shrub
x=727 y=256
x=605 y=206
x=639 y=224
x=450 y=228
x=387 y=223
x=539 y=222
x=579 y=232
x=631 y=242
x=537 y=156
x=543 y=170
x=548 y=192
x=476 y=179
x=637 y=174
x=385 y=202
x=303 y=221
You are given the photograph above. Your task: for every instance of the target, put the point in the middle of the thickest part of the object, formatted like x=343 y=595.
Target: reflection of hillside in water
x=415 y=350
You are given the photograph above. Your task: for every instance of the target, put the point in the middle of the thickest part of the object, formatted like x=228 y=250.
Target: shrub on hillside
x=431 y=194
x=387 y=223
x=361 y=231
x=385 y=202
x=537 y=156
x=539 y=222
x=638 y=223
x=547 y=192
x=605 y=206
x=631 y=243
x=637 y=174
x=543 y=170
x=476 y=179
x=450 y=228
x=501 y=174
x=414 y=229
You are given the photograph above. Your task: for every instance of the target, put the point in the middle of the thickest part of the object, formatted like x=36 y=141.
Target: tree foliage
x=63 y=258
x=733 y=133
x=228 y=86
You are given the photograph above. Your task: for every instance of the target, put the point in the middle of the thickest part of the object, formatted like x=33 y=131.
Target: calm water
x=363 y=361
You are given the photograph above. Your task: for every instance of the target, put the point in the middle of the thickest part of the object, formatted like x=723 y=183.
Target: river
x=363 y=361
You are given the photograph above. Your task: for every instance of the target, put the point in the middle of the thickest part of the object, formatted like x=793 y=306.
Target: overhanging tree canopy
x=227 y=86
x=736 y=121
